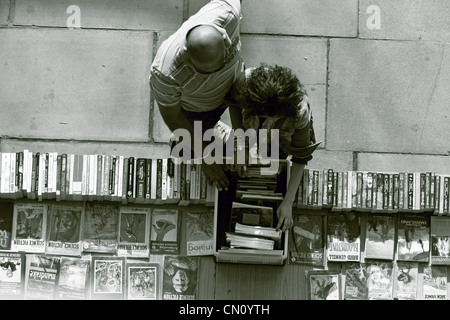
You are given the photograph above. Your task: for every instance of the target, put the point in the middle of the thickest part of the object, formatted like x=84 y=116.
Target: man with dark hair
x=272 y=97
x=194 y=73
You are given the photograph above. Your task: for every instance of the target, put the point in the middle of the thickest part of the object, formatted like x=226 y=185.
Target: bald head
x=206 y=48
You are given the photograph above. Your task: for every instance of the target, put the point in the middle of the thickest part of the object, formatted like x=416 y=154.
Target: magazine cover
x=380 y=236
x=307 y=240
x=343 y=236
x=6 y=224
x=107 y=277
x=134 y=232
x=380 y=282
x=100 y=227
x=440 y=240
x=199 y=233
x=12 y=275
x=29 y=227
x=324 y=285
x=165 y=231
x=413 y=239
x=41 y=276
x=143 y=281
x=64 y=230
x=434 y=283
x=73 y=280
x=180 y=277
x=405 y=280
x=355 y=287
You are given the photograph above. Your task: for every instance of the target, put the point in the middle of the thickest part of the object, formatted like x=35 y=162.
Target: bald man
x=194 y=75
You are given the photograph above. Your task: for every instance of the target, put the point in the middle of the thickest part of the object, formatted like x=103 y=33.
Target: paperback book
x=29 y=227
x=405 y=280
x=199 y=233
x=180 y=277
x=134 y=232
x=235 y=240
x=41 y=276
x=6 y=224
x=12 y=275
x=434 y=283
x=107 y=277
x=65 y=227
x=324 y=285
x=307 y=240
x=143 y=281
x=343 y=237
x=355 y=287
x=440 y=240
x=250 y=214
x=379 y=281
x=73 y=283
x=413 y=239
x=100 y=227
x=165 y=231
x=380 y=236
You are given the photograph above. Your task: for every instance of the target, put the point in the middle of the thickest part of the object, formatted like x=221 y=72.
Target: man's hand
x=284 y=213
x=215 y=173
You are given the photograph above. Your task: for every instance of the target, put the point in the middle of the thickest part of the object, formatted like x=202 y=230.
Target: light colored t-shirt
x=175 y=82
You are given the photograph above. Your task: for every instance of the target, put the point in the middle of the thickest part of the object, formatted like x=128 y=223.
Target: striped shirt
x=173 y=79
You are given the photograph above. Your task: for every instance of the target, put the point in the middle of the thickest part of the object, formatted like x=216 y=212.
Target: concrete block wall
x=377 y=73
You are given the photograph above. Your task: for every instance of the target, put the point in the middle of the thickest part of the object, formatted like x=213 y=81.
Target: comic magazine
x=379 y=280
x=199 y=228
x=343 y=236
x=380 y=236
x=165 y=231
x=440 y=240
x=108 y=277
x=324 y=285
x=434 y=283
x=180 y=277
x=64 y=230
x=355 y=287
x=100 y=227
x=307 y=240
x=12 y=275
x=29 y=227
x=143 y=281
x=413 y=239
x=405 y=280
x=41 y=276
x=6 y=224
x=74 y=279
x=134 y=232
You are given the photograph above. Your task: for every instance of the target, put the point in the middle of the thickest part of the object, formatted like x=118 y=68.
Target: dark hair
x=271 y=91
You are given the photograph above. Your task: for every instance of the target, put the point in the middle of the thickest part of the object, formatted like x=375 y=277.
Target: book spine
x=320 y=190
x=359 y=189
x=140 y=180
x=183 y=182
x=432 y=191
x=154 y=179
x=422 y=191
x=369 y=190
x=437 y=195
x=446 y=196
x=401 y=190
x=98 y=191
x=386 y=188
x=120 y=179
x=188 y=181
x=410 y=191
x=63 y=175
x=335 y=188
x=310 y=187
x=395 y=191
x=125 y=180
x=148 y=178
x=380 y=191
x=58 y=180
x=374 y=191
x=364 y=190
x=391 y=193
x=130 y=178
x=316 y=187
x=427 y=190
x=163 y=179
x=330 y=188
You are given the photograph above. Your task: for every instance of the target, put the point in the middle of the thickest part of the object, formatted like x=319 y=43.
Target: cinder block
x=4 y=12
x=114 y=14
x=405 y=19
x=388 y=96
x=403 y=162
x=195 y=6
x=301 y=17
x=161 y=132
x=75 y=84
x=144 y=150
x=307 y=57
x=336 y=160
